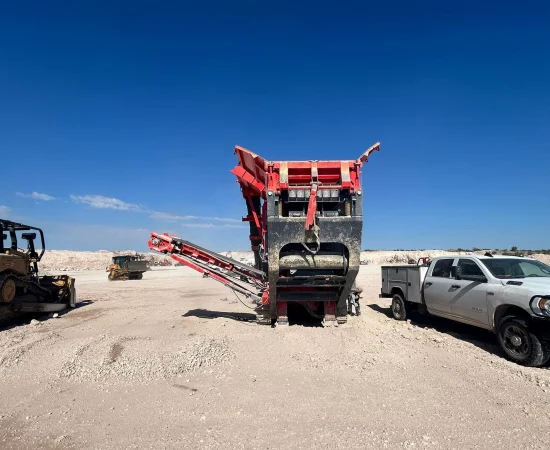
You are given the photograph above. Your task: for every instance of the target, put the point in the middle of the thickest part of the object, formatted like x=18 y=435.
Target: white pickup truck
x=508 y=295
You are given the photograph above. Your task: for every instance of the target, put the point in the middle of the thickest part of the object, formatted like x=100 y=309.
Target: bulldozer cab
x=17 y=249
x=122 y=260
x=14 y=233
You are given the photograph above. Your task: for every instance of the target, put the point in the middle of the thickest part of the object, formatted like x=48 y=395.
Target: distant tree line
x=513 y=251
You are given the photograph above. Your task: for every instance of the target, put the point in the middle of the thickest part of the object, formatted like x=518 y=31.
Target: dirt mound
x=68 y=261
x=15 y=350
x=136 y=359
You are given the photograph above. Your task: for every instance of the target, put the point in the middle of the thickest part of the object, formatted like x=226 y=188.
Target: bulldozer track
x=116 y=275
x=31 y=286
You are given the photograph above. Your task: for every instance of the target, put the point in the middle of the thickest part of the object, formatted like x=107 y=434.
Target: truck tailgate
x=408 y=279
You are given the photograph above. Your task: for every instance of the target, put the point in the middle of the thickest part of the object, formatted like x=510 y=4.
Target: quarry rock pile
x=70 y=261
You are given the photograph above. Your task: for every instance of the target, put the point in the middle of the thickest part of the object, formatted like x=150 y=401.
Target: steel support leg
x=282 y=313
x=330 y=314
x=263 y=315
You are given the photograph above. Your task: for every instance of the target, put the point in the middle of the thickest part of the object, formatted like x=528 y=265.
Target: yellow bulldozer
x=22 y=289
x=127 y=267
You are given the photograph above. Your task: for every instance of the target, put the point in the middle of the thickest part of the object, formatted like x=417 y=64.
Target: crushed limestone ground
x=174 y=361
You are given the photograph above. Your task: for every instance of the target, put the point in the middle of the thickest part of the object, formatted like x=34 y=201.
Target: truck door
x=437 y=286
x=469 y=298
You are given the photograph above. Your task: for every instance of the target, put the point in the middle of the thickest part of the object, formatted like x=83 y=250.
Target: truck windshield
x=516 y=268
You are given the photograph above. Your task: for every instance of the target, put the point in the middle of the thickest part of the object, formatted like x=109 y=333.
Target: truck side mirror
x=458 y=272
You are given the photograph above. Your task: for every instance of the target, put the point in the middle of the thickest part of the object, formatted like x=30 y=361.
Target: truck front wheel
x=520 y=344
x=399 y=308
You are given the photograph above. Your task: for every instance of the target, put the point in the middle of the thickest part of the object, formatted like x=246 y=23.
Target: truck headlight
x=541 y=306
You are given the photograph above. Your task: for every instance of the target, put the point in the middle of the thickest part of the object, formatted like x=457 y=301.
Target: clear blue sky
x=143 y=102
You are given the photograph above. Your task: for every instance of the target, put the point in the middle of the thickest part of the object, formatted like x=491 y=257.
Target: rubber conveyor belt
x=236 y=275
x=259 y=274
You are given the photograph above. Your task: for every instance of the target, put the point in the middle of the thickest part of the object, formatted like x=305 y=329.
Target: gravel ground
x=174 y=361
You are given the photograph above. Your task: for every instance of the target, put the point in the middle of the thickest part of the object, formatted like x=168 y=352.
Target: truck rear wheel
x=399 y=308
x=521 y=345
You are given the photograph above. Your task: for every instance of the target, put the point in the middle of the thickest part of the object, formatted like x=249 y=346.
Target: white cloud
x=170 y=217
x=36 y=196
x=79 y=236
x=100 y=202
x=211 y=225
x=4 y=211
x=224 y=219
x=174 y=218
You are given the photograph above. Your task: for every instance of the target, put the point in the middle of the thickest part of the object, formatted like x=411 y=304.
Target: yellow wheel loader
x=22 y=289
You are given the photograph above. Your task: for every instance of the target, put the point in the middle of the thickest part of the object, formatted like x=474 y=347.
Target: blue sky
x=126 y=115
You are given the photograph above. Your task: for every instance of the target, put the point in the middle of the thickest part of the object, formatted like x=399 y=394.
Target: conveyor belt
x=240 y=277
x=245 y=268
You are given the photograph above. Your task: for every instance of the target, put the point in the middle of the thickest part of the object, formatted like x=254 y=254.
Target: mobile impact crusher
x=306 y=224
